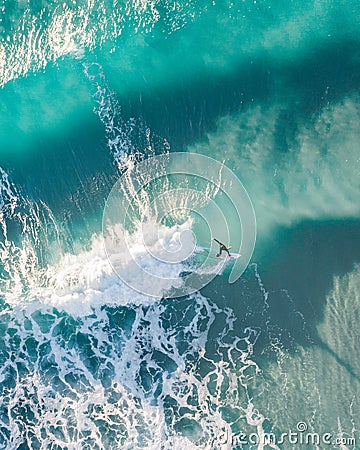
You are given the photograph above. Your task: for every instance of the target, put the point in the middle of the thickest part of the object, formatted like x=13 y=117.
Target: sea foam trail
x=8 y=198
x=128 y=140
x=118 y=132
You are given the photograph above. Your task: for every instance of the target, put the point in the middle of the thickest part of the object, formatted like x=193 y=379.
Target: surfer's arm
x=220 y=243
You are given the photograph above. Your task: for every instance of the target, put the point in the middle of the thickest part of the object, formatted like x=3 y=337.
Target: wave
x=314 y=177
x=139 y=376
x=32 y=36
x=88 y=362
x=97 y=365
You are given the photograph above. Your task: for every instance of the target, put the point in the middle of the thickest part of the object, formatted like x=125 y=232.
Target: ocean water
x=270 y=89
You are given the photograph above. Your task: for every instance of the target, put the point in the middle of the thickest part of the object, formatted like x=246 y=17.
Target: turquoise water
x=269 y=88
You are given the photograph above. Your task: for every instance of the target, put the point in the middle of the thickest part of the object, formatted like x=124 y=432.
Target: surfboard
x=224 y=255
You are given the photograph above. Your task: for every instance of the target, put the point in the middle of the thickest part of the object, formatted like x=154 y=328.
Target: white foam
x=69 y=412
x=89 y=382
x=8 y=196
x=72 y=395
x=82 y=281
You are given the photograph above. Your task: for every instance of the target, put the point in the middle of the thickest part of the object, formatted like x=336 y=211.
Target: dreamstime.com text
x=300 y=437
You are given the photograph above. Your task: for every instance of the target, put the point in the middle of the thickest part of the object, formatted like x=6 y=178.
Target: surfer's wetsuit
x=222 y=248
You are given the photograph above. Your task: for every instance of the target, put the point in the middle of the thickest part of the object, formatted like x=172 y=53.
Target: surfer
x=222 y=248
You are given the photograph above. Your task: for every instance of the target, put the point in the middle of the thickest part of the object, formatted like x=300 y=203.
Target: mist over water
x=88 y=89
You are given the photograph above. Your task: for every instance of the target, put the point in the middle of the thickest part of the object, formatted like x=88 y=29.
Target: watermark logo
x=161 y=217
x=300 y=437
